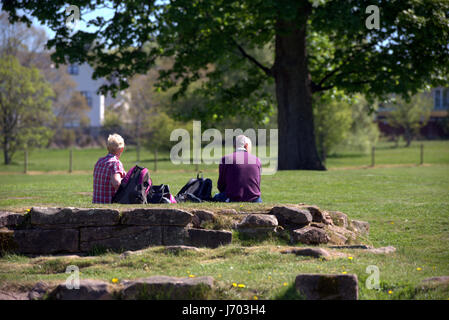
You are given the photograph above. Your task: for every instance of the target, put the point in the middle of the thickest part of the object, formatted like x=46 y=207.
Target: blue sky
x=103 y=12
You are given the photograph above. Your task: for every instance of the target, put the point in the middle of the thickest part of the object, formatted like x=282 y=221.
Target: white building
x=88 y=87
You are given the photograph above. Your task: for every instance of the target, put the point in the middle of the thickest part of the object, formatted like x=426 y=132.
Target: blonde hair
x=115 y=143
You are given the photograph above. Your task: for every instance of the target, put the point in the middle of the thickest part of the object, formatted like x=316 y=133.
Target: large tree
x=25 y=107
x=317 y=45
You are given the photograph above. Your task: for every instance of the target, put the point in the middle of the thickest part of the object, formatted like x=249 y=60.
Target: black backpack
x=159 y=194
x=196 y=190
x=134 y=187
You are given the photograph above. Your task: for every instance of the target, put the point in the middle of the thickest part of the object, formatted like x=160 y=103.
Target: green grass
x=435 y=152
x=407 y=207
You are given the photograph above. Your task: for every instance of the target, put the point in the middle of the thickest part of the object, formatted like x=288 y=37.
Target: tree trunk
x=6 y=150
x=408 y=137
x=296 y=145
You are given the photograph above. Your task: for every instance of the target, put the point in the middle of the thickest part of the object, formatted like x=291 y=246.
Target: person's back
x=108 y=172
x=240 y=180
x=239 y=174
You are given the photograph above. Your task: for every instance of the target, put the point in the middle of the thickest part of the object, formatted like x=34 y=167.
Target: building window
x=88 y=97
x=73 y=69
x=446 y=98
x=437 y=99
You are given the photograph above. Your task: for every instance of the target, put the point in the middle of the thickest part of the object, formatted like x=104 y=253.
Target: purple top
x=239 y=176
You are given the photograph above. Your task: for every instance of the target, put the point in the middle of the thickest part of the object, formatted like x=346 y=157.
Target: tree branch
x=265 y=69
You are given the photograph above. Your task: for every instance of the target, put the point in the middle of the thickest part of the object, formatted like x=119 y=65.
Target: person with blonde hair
x=108 y=171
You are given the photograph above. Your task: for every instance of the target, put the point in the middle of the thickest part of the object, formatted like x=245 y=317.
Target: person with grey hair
x=108 y=171
x=239 y=174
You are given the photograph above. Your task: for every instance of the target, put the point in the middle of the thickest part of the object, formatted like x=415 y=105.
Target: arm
x=116 y=180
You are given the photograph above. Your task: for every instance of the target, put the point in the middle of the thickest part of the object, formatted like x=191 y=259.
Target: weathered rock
x=39 y=291
x=361 y=227
x=52 y=218
x=339 y=219
x=201 y=216
x=120 y=237
x=318 y=215
x=177 y=249
x=436 y=281
x=354 y=246
x=308 y=252
x=7 y=242
x=172 y=236
x=11 y=219
x=382 y=250
x=258 y=221
x=291 y=217
x=338 y=235
x=88 y=290
x=156 y=217
x=309 y=235
x=209 y=238
x=327 y=286
x=9 y=295
x=167 y=288
x=42 y=241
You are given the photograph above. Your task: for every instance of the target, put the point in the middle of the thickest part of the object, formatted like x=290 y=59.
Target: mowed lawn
x=407 y=206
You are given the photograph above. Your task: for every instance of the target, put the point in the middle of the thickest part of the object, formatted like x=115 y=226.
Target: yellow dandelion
x=285 y=284
x=219 y=275
x=191 y=276
x=269 y=277
x=114 y=280
x=234 y=284
x=390 y=292
x=249 y=272
x=344 y=272
x=241 y=285
x=418 y=269
x=392 y=222
x=350 y=258
x=28 y=210
x=256 y=298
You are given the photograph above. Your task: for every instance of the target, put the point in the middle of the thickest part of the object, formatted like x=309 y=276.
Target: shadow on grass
x=289 y=293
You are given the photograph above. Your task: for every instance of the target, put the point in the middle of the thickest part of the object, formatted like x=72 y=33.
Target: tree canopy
x=315 y=46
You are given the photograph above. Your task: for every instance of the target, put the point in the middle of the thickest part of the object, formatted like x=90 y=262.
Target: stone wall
x=78 y=230
x=73 y=230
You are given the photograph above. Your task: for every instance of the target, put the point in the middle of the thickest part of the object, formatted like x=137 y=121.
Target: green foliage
x=410 y=115
x=25 y=107
x=222 y=39
x=364 y=132
x=332 y=120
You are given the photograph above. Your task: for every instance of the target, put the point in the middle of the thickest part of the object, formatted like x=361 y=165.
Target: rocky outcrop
x=167 y=288
x=309 y=235
x=259 y=224
x=88 y=290
x=327 y=286
x=72 y=230
x=209 y=238
x=308 y=252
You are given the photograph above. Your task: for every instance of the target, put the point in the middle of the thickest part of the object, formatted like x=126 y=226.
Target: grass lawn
x=406 y=206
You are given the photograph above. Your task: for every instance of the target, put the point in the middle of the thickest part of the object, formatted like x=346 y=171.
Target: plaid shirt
x=104 y=169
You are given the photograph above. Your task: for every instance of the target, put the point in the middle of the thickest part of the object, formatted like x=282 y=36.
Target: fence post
x=422 y=154
x=71 y=160
x=155 y=159
x=373 y=152
x=25 y=168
